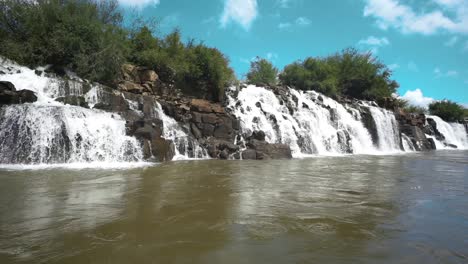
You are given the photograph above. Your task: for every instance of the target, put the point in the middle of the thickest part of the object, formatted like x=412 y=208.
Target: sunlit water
x=410 y=208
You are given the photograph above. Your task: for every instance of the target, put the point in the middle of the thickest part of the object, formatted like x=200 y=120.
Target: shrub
x=447 y=110
x=262 y=72
x=348 y=73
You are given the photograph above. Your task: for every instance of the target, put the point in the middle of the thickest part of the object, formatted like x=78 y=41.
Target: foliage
x=82 y=35
x=348 y=73
x=86 y=36
x=415 y=109
x=262 y=72
x=447 y=110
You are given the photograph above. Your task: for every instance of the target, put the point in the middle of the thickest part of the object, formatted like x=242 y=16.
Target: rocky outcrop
x=414 y=126
x=9 y=94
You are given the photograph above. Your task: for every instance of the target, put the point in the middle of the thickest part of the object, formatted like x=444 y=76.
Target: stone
x=201 y=105
x=195 y=131
x=4 y=85
x=249 y=154
x=209 y=118
x=131 y=87
x=196 y=117
x=208 y=130
x=217 y=108
x=224 y=154
x=222 y=131
x=162 y=149
x=258 y=135
x=147 y=76
x=73 y=100
x=273 y=151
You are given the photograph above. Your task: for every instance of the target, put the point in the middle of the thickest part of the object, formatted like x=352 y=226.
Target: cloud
x=300 y=22
x=417 y=98
x=303 y=21
x=412 y=66
x=243 y=12
x=138 y=3
x=373 y=41
x=439 y=74
x=393 y=66
x=284 y=25
x=450 y=16
x=271 y=56
x=284 y=3
x=451 y=42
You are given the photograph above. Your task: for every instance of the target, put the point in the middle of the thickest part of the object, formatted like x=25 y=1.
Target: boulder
x=9 y=95
x=249 y=154
x=147 y=76
x=258 y=135
x=201 y=105
x=73 y=100
x=266 y=150
x=162 y=149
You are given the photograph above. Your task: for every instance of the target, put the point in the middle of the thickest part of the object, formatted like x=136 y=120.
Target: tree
x=262 y=72
x=349 y=73
x=447 y=110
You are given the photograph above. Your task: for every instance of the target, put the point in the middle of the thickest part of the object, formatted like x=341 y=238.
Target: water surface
x=409 y=208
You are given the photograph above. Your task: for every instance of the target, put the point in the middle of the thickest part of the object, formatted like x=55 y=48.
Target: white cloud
x=393 y=66
x=284 y=25
x=284 y=3
x=417 y=98
x=373 y=41
x=271 y=56
x=451 y=42
x=138 y=3
x=450 y=16
x=439 y=74
x=242 y=12
x=303 y=21
x=300 y=21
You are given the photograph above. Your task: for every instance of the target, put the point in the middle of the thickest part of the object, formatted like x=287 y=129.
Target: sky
x=424 y=42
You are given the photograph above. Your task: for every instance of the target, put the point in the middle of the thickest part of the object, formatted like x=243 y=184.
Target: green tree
x=447 y=110
x=262 y=72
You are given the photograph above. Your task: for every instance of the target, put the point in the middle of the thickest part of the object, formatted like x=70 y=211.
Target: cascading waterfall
x=454 y=134
x=185 y=146
x=310 y=123
x=387 y=129
x=48 y=131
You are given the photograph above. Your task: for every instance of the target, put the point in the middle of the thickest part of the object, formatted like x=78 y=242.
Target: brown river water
x=410 y=208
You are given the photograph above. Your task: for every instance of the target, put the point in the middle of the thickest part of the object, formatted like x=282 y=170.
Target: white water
x=311 y=128
x=454 y=133
x=49 y=132
x=185 y=146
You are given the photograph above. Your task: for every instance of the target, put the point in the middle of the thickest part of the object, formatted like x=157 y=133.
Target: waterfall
x=454 y=133
x=48 y=131
x=387 y=129
x=311 y=123
x=407 y=143
x=185 y=146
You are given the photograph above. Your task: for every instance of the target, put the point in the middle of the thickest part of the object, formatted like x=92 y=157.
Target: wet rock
x=9 y=95
x=162 y=149
x=258 y=135
x=249 y=154
x=73 y=100
x=201 y=105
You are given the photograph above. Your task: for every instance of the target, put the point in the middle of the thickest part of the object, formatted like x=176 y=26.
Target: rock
x=73 y=100
x=195 y=131
x=201 y=105
x=249 y=154
x=208 y=130
x=258 y=135
x=131 y=87
x=223 y=131
x=451 y=145
x=147 y=76
x=224 y=154
x=209 y=118
x=162 y=149
x=9 y=95
x=267 y=150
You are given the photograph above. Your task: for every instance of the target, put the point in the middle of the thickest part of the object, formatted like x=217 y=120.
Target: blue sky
x=424 y=42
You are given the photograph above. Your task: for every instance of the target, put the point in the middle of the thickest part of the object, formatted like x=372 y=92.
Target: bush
x=82 y=35
x=447 y=110
x=415 y=109
x=262 y=72
x=348 y=73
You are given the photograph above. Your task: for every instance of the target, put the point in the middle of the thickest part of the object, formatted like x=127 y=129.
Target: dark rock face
x=413 y=125
x=370 y=124
x=9 y=95
x=73 y=100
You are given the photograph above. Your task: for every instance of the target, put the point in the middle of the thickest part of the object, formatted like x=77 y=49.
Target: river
x=410 y=208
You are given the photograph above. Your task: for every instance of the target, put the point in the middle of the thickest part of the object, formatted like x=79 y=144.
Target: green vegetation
x=262 y=72
x=447 y=110
x=349 y=73
x=87 y=36
x=415 y=109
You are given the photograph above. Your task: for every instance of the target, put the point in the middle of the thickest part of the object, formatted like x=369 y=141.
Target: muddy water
x=359 y=209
